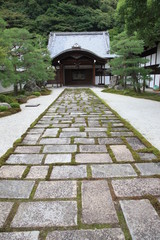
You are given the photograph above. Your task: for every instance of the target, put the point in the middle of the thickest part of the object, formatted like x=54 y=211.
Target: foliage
x=3 y=108
x=37 y=94
x=15 y=105
x=140 y=16
x=5 y=98
x=128 y=63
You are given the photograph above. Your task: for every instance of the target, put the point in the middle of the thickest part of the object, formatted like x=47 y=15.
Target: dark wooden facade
x=78 y=67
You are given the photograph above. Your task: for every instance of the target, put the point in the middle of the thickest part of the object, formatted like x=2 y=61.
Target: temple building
x=80 y=58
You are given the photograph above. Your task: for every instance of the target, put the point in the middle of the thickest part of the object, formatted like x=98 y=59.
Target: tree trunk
x=15 y=89
x=144 y=85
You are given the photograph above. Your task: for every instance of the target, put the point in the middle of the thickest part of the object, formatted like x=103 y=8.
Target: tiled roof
x=95 y=42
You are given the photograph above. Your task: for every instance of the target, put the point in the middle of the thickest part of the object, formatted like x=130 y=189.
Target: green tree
x=28 y=60
x=128 y=63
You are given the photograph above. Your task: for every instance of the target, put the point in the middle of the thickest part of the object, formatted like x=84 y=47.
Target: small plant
x=82 y=128
x=3 y=108
x=5 y=98
x=37 y=94
x=15 y=105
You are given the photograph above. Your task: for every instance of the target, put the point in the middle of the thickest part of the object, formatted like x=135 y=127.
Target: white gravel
x=12 y=127
x=142 y=114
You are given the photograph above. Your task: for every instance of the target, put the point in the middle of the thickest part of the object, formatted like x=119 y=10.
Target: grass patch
x=146 y=95
x=82 y=128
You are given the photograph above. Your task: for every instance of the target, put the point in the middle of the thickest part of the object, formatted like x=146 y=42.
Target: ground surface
x=79 y=174
x=143 y=114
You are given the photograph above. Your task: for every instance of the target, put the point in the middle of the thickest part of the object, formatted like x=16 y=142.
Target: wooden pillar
x=61 y=75
x=94 y=73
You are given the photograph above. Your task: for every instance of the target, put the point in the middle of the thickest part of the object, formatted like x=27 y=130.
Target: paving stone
x=31 y=138
x=19 y=235
x=15 y=189
x=136 y=187
x=97 y=134
x=56 y=189
x=147 y=156
x=118 y=129
x=41 y=125
x=55 y=141
x=37 y=172
x=148 y=169
x=25 y=159
x=5 y=208
x=65 y=172
x=72 y=134
x=110 y=141
x=102 y=234
x=59 y=148
x=122 y=153
x=112 y=170
x=93 y=158
x=50 y=132
x=36 y=130
x=121 y=134
x=135 y=143
x=46 y=214
x=70 y=129
x=58 y=158
x=142 y=219
x=84 y=140
x=97 y=204
x=89 y=129
x=92 y=148
x=11 y=171
x=117 y=124
x=28 y=149
x=79 y=124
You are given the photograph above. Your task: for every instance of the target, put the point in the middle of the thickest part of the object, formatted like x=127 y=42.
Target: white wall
x=106 y=80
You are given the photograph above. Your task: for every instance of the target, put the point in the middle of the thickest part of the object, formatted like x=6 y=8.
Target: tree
x=128 y=63
x=27 y=60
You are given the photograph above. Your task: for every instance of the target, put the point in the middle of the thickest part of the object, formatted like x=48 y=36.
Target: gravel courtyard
x=80 y=174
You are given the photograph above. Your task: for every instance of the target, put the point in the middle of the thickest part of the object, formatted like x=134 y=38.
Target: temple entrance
x=78 y=76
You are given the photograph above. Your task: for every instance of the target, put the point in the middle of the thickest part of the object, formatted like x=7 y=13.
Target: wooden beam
x=94 y=73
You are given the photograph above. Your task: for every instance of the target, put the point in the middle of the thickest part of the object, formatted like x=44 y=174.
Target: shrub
x=3 y=108
x=5 y=98
x=15 y=105
x=37 y=94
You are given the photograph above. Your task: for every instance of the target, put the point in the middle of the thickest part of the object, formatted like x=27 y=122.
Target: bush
x=5 y=98
x=15 y=105
x=3 y=108
x=37 y=94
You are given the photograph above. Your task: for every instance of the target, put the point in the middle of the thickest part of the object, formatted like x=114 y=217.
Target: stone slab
x=97 y=204
x=93 y=148
x=112 y=170
x=122 y=153
x=19 y=235
x=110 y=141
x=147 y=156
x=79 y=124
x=148 y=169
x=142 y=219
x=25 y=159
x=46 y=214
x=28 y=149
x=135 y=143
x=97 y=134
x=136 y=187
x=102 y=234
x=65 y=172
x=84 y=140
x=31 y=138
x=58 y=158
x=50 y=132
x=15 y=189
x=5 y=208
x=72 y=134
x=93 y=158
x=70 y=129
x=60 y=149
x=12 y=171
x=121 y=134
x=47 y=141
x=36 y=130
x=98 y=129
x=37 y=172
x=56 y=189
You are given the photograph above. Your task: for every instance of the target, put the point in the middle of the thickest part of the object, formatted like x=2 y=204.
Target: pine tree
x=128 y=63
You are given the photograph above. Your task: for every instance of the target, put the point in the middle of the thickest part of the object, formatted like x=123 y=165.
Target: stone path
x=79 y=174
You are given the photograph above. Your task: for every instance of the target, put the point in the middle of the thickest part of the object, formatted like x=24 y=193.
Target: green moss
x=82 y=128
x=89 y=171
